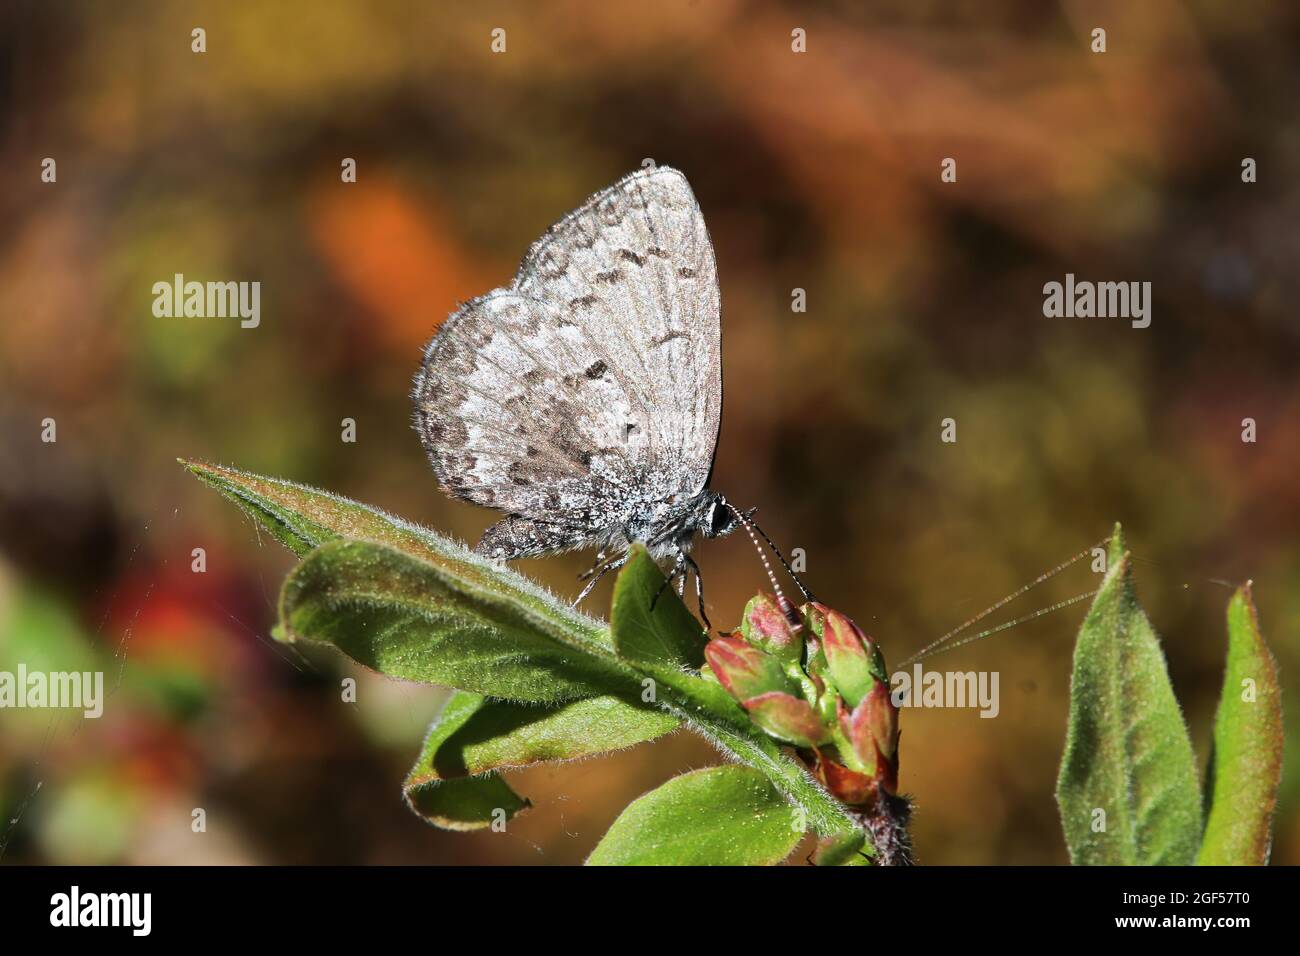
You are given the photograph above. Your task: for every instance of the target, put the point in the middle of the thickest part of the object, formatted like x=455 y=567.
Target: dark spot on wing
x=627 y=255
x=531 y=452
x=464 y=491
x=552 y=500
x=553 y=263
x=612 y=209
x=585 y=302
x=582 y=232
x=566 y=439
x=686 y=272
x=457 y=357
x=665 y=339
x=427 y=400
x=447 y=431
x=597 y=369
x=516 y=474
x=613 y=275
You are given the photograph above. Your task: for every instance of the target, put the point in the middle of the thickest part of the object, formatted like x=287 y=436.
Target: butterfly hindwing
x=517 y=412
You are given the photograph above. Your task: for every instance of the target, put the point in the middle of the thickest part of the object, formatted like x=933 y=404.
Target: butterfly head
x=717 y=516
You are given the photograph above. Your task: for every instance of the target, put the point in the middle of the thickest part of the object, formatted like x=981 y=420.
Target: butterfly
x=585 y=399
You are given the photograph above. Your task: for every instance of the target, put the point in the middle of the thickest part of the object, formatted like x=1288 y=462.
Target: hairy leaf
x=665 y=634
x=455 y=784
x=409 y=618
x=303 y=518
x=1246 y=760
x=720 y=816
x=455 y=797
x=1127 y=789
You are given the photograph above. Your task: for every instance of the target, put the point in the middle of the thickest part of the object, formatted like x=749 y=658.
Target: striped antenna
x=807 y=595
x=938 y=645
x=791 y=615
x=926 y=655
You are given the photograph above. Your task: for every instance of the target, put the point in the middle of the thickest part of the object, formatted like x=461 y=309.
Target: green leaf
x=667 y=635
x=1128 y=763
x=705 y=705
x=844 y=849
x=455 y=784
x=1246 y=762
x=303 y=518
x=464 y=803
x=409 y=618
x=720 y=816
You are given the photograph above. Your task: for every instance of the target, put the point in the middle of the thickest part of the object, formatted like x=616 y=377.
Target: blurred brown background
x=818 y=171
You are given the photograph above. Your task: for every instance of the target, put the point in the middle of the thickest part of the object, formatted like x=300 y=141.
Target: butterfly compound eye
x=720 y=519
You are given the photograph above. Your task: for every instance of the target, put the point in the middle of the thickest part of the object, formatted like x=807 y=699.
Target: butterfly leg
x=677 y=570
x=595 y=579
x=595 y=568
x=699 y=588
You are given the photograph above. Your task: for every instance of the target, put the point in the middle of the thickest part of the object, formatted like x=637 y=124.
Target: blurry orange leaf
x=398 y=256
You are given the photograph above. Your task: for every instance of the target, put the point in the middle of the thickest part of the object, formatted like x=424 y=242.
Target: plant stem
x=885 y=820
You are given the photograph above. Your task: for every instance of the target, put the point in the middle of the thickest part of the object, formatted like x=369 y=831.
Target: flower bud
x=845 y=785
x=745 y=671
x=814 y=619
x=765 y=626
x=822 y=688
x=872 y=729
x=787 y=718
x=851 y=658
x=882 y=720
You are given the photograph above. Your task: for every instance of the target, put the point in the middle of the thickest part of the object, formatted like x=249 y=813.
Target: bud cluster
x=821 y=687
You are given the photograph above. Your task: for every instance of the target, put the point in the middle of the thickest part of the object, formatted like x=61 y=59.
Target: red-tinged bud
x=764 y=625
x=787 y=718
x=882 y=720
x=872 y=729
x=863 y=755
x=814 y=619
x=845 y=785
x=744 y=670
x=814 y=625
x=850 y=658
x=823 y=688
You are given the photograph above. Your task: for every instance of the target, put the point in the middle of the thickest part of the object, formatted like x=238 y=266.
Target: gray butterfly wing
x=634 y=268
x=518 y=412
x=592 y=386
